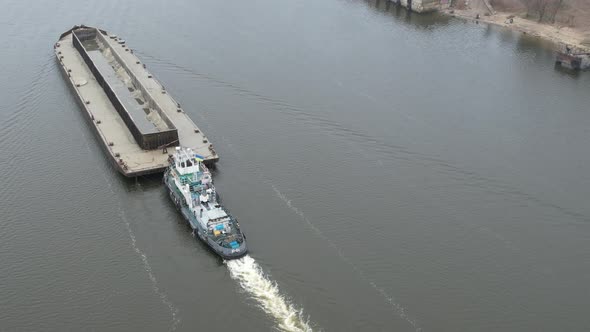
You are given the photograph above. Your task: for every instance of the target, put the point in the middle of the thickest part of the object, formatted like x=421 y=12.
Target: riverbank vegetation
x=571 y=13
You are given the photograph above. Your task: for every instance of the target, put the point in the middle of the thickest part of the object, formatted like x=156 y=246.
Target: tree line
x=545 y=10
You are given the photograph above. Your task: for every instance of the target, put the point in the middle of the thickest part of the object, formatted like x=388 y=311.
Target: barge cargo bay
x=134 y=117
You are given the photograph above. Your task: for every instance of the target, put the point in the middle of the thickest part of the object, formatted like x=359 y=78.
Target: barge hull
x=88 y=116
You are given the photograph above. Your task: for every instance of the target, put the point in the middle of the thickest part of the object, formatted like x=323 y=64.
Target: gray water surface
x=393 y=172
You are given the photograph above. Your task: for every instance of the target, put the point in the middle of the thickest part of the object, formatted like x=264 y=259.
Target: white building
x=421 y=6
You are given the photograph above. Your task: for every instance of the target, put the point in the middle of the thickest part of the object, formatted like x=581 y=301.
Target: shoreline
x=557 y=36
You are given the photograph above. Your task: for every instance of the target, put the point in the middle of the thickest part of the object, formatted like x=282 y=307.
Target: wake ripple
x=311 y=119
x=146 y=264
x=144 y=259
x=266 y=292
x=385 y=150
x=397 y=307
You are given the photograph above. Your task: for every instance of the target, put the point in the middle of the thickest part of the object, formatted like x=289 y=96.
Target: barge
x=132 y=114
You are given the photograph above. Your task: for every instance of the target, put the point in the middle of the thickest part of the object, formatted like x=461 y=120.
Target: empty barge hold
x=138 y=123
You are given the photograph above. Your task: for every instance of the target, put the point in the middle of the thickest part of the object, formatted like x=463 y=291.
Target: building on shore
x=422 y=6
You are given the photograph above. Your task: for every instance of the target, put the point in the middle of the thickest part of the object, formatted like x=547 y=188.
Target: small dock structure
x=136 y=120
x=573 y=61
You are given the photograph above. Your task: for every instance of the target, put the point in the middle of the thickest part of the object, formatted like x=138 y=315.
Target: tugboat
x=190 y=187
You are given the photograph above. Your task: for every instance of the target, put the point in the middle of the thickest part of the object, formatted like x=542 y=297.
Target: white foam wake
x=266 y=293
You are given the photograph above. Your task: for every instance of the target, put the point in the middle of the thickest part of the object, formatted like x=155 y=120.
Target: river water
x=393 y=172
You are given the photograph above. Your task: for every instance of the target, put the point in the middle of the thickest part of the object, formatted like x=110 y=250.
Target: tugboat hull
x=199 y=231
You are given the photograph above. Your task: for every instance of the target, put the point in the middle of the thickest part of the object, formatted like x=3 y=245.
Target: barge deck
x=135 y=118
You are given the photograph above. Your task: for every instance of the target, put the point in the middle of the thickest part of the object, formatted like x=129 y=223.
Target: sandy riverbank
x=556 y=34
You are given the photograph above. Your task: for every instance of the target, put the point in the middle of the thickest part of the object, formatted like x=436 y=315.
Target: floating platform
x=136 y=120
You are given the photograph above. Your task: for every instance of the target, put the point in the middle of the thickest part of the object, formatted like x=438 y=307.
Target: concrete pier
x=134 y=117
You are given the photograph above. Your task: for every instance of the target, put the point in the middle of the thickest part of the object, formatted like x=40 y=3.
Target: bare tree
x=543 y=9
x=556 y=6
x=531 y=6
